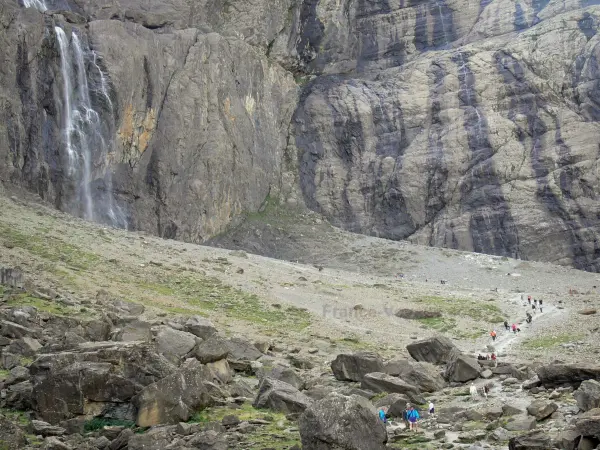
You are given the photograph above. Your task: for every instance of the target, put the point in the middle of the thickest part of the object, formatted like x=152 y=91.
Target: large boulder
x=11 y=436
x=241 y=350
x=541 y=409
x=176 y=397
x=531 y=441
x=462 y=368
x=282 y=373
x=588 y=395
x=588 y=424
x=354 y=366
x=68 y=384
x=173 y=344
x=343 y=423
x=212 y=349
x=520 y=423
x=424 y=376
x=381 y=382
x=19 y=396
x=280 y=396
x=554 y=375
x=199 y=326
x=435 y=350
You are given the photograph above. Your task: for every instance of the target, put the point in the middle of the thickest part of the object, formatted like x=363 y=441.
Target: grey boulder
x=280 y=396
x=342 y=423
x=588 y=395
x=354 y=366
x=541 y=409
x=531 y=441
x=175 y=398
x=554 y=375
x=435 y=350
x=462 y=369
x=381 y=382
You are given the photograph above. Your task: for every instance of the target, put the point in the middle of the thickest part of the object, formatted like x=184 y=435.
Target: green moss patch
x=277 y=434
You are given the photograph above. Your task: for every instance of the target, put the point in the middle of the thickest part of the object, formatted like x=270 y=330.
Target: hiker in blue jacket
x=382 y=416
x=413 y=416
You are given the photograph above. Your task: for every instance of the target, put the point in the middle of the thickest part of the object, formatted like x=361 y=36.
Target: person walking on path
x=413 y=418
x=529 y=299
x=405 y=416
x=431 y=409
x=514 y=328
x=493 y=335
x=533 y=308
x=495 y=360
x=506 y=326
x=541 y=303
x=382 y=416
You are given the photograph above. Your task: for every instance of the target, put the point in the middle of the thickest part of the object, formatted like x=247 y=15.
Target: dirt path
x=506 y=339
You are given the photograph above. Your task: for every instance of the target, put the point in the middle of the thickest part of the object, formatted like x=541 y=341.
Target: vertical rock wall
x=456 y=123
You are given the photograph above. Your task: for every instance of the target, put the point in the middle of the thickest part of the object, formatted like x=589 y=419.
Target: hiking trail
x=505 y=338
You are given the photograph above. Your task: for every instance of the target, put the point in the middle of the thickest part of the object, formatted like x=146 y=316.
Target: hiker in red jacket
x=514 y=328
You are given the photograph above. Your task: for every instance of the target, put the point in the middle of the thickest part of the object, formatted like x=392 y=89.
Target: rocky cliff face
x=459 y=124
x=466 y=124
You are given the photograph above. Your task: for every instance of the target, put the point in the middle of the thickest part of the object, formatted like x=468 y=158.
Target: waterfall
x=37 y=4
x=83 y=130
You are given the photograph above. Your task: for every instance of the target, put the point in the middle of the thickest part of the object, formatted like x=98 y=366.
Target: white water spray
x=439 y=7
x=37 y=4
x=86 y=148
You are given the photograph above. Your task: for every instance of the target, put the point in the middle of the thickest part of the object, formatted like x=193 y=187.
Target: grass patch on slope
x=48 y=306
x=50 y=248
x=202 y=294
x=549 y=341
x=274 y=435
x=477 y=310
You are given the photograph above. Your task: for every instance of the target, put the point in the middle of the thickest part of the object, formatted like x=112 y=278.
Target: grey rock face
x=438 y=148
x=66 y=384
x=587 y=396
x=157 y=86
x=342 y=422
x=487 y=143
x=175 y=398
x=354 y=366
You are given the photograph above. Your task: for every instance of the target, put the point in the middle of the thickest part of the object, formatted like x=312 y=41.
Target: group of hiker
x=493 y=357
x=410 y=416
x=534 y=303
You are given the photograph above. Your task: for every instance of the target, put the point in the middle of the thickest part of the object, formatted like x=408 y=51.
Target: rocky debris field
x=117 y=340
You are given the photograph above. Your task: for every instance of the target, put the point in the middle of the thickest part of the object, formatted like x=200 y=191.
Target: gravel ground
x=351 y=284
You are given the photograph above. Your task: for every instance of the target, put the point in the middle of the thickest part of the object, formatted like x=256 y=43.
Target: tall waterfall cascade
x=37 y=4
x=84 y=129
x=87 y=128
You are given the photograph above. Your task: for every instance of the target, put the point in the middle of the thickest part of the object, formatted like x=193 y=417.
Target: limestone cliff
x=457 y=123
